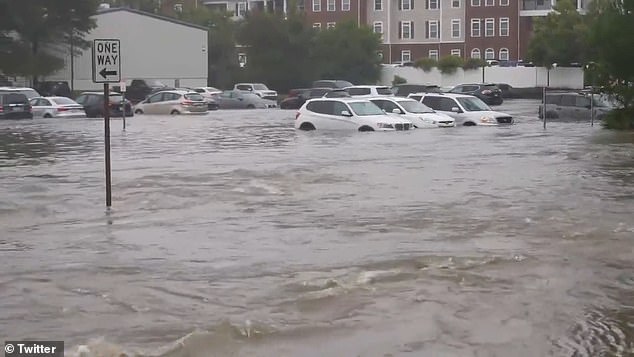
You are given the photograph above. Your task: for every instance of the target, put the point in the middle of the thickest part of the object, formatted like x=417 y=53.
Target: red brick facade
x=498 y=28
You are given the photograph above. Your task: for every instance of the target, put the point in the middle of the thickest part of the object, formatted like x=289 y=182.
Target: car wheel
x=138 y=111
x=175 y=112
x=307 y=126
x=47 y=115
x=250 y=106
x=469 y=123
x=366 y=128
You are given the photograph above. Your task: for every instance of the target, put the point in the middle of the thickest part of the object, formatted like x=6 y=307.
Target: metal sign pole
x=592 y=107
x=106 y=127
x=544 y=107
x=123 y=108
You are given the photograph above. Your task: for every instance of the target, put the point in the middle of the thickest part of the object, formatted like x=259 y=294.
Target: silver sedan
x=56 y=107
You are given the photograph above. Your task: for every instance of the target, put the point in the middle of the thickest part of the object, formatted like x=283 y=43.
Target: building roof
x=149 y=14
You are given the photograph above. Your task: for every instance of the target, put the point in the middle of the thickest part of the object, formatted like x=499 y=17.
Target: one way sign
x=106 y=61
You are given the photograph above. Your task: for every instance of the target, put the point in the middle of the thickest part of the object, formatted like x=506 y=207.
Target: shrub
x=449 y=64
x=473 y=63
x=620 y=119
x=426 y=64
x=398 y=80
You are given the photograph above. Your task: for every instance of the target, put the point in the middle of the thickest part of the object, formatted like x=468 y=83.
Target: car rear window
x=14 y=98
x=29 y=93
x=63 y=100
x=358 y=91
x=193 y=96
x=384 y=91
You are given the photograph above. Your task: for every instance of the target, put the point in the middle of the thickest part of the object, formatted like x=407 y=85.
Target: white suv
x=369 y=91
x=346 y=114
x=466 y=109
x=257 y=88
x=419 y=114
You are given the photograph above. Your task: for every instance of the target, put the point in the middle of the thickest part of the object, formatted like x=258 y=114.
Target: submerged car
x=467 y=110
x=172 y=102
x=575 y=106
x=346 y=114
x=419 y=114
x=487 y=92
x=93 y=103
x=56 y=107
x=14 y=105
x=368 y=91
x=235 y=99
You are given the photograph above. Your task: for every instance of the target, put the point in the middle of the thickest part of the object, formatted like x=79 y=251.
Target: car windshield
x=29 y=93
x=193 y=96
x=473 y=104
x=366 y=108
x=260 y=86
x=384 y=91
x=63 y=100
x=415 y=107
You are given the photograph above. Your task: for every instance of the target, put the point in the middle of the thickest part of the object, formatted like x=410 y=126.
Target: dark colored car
x=54 y=89
x=294 y=100
x=318 y=93
x=14 y=105
x=487 y=92
x=331 y=83
x=403 y=90
x=93 y=104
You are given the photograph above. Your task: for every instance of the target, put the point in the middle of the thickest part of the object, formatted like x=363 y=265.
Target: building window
x=316 y=5
x=504 y=26
x=504 y=2
x=378 y=27
x=489 y=2
x=405 y=4
x=475 y=2
x=432 y=4
x=489 y=54
x=504 y=54
x=475 y=27
x=489 y=27
x=455 y=28
x=433 y=54
x=406 y=56
x=345 y=5
x=330 y=25
x=178 y=7
x=300 y=6
x=455 y=52
x=406 y=30
x=317 y=25
x=475 y=53
x=331 y=6
x=432 y=29
x=455 y=3
x=242 y=9
x=378 y=5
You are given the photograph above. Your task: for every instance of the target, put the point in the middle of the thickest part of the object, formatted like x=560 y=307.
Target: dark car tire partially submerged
x=307 y=126
x=366 y=128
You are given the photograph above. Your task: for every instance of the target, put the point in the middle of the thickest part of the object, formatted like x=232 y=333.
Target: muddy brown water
x=235 y=235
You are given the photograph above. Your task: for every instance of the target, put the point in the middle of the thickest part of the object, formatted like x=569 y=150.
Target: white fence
x=517 y=77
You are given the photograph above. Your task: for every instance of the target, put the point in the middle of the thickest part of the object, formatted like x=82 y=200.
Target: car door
x=37 y=111
x=45 y=107
x=152 y=104
x=236 y=100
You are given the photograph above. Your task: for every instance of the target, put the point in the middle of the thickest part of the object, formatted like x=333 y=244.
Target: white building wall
x=518 y=77
x=151 y=48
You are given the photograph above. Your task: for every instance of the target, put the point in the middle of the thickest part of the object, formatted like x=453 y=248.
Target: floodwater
x=235 y=235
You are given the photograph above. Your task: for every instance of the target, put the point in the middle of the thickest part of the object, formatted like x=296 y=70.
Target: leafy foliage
x=426 y=64
x=398 y=80
x=473 y=63
x=559 y=37
x=449 y=64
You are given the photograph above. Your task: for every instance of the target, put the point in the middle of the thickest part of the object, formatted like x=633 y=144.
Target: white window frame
x=380 y=2
x=409 y=30
x=330 y=25
x=489 y=51
x=456 y=22
x=429 y=3
x=242 y=9
x=477 y=33
x=474 y=51
x=475 y=3
x=331 y=5
x=316 y=5
x=504 y=50
x=345 y=5
x=317 y=25
x=489 y=2
x=507 y=21
x=433 y=24
x=489 y=22
x=453 y=4
x=433 y=54
x=456 y=52
x=378 y=25
x=504 y=2
x=406 y=56
x=409 y=4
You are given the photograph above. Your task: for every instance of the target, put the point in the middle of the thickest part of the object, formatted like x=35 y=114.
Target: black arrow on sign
x=105 y=73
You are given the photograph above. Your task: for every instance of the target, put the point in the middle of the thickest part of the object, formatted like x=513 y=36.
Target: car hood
x=488 y=113
x=387 y=119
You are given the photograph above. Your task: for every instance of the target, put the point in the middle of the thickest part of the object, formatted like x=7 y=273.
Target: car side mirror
x=240 y=98
x=397 y=111
x=455 y=110
x=346 y=113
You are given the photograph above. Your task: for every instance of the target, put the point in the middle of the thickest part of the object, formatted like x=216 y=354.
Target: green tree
x=32 y=32
x=278 y=50
x=613 y=21
x=559 y=37
x=348 y=52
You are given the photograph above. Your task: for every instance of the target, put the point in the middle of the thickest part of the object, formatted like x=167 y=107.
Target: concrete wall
x=518 y=77
x=151 y=48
